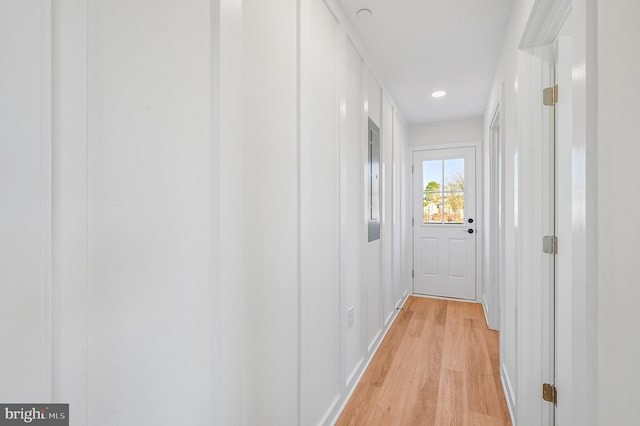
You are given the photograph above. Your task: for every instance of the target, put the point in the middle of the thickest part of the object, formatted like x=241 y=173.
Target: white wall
x=133 y=216
x=564 y=218
x=372 y=249
x=70 y=202
x=403 y=158
x=505 y=93
x=339 y=268
x=181 y=158
x=204 y=252
x=270 y=218
x=319 y=214
x=351 y=230
x=520 y=76
x=25 y=209
x=149 y=212
x=229 y=200
x=464 y=130
x=617 y=153
x=386 y=217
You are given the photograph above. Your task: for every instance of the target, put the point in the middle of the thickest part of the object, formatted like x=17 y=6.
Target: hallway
x=324 y=162
x=437 y=365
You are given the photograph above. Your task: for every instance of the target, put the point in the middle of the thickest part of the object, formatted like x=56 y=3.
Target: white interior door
x=444 y=231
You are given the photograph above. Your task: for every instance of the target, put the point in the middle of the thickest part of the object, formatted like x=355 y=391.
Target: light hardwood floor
x=438 y=365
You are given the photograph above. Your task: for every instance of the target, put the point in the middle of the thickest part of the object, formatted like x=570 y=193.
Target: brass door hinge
x=550 y=393
x=550 y=95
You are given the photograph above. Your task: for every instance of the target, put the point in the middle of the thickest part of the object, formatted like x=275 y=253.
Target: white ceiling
x=420 y=46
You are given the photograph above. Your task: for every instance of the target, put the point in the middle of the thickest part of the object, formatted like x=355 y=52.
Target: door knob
x=470 y=231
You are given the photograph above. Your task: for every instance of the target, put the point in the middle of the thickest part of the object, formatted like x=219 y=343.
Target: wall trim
x=545 y=20
x=331 y=409
x=364 y=367
x=451 y=299
x=508 y=392
x=376 y=340
x=354 y=373
x=388 y=318
x=485 y=309
x=46 y=188
x=494 y=241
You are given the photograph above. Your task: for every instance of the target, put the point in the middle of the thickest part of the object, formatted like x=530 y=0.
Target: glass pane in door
x=432 y=190
x=454 y=207
x=454 y=174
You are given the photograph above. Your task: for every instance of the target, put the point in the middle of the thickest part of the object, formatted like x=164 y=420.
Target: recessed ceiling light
x=364 y=13
x=439 y=94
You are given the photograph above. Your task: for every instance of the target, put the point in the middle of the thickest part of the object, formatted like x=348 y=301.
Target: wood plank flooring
x=438 y=365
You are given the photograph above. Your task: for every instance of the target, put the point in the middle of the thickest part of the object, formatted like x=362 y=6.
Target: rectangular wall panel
x=388 y=302
x=149 y=212
x=351 y=235
x=319 y=197
x=25 y=209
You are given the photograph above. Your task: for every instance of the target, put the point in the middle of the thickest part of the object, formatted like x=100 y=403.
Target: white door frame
x=579 y=347
x=492 y=295
x=479 y=204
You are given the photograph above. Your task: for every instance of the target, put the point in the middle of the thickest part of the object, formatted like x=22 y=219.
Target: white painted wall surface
x=617 y=153
x=25 y=214
x=404 y=284
x=506 y=78
x=270 y=168
x=577 y=361
x=564 y=226
x=465 y=130
x=520 y=341
x=400 y=280
x=319 y=213
x=70 y=185
x=372 y=250
x=172 y=125
x=149 y=213
x=228 y=238
x=386 y=215
x=374 y=99
x=341 y=270
x=351 y=204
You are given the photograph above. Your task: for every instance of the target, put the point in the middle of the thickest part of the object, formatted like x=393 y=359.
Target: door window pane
x=453 y=207
x=432 y=192
x=443 y=203
x=454 y=174
x=433 y=208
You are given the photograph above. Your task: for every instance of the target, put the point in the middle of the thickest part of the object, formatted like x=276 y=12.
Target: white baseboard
x=485 y=308
x=376 y=340
x=453 y=299
x=354 y=373
x=353 y=384
x=508 y=392
x=331 y=409
x=387 y=320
